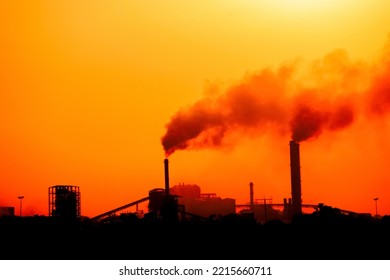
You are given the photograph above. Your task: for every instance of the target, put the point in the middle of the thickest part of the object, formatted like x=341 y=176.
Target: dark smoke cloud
x=189 y=124
x=310 y=122
x=246 y=106
x=378 y=95
x=379 y=98
x=341 y=117
x=326 y=96
x=307 y=122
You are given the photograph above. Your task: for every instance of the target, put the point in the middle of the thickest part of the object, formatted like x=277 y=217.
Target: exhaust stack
x=251 y=196
x=166 y=172
x=295 y=178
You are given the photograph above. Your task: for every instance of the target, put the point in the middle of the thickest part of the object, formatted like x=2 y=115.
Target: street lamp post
x=376 y=206
x=20 y=198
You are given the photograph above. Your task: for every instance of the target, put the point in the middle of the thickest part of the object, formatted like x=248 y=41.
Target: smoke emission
x=302 y=101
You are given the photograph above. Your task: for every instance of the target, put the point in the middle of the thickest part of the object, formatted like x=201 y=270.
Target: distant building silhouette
x=202 y=204
x=7 y=211
x=64 y=202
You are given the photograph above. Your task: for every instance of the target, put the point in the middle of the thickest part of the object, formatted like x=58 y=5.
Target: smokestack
x=295 y=178
x=251 y=196
x=166 y=171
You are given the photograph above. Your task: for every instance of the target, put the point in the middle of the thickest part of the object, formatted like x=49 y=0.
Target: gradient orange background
x=86 y=88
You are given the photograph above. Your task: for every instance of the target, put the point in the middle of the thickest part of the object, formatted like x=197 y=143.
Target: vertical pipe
x=251 y=194
x=295 y=178
x=166 y=171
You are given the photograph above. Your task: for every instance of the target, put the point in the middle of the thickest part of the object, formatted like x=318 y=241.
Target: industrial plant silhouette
x=184 y=223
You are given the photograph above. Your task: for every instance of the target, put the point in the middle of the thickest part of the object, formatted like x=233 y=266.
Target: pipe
x=166 y=171
x=295 y=178
x=251 y=196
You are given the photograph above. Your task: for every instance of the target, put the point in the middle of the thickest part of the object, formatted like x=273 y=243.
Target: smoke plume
x=303 y=101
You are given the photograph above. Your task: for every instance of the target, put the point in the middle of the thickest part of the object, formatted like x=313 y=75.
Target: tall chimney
x=251 y=196
x=295 y=178
x=166 y=171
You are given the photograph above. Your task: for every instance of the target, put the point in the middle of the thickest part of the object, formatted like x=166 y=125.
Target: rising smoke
x=302 y=101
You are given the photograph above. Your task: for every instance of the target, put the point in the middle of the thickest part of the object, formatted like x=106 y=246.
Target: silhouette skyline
x=325 y=234
x=182 y=222
x=292 y=203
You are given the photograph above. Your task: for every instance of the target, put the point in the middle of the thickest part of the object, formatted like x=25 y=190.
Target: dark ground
x=307 y=237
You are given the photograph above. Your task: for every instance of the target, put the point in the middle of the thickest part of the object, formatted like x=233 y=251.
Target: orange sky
x=87 y=87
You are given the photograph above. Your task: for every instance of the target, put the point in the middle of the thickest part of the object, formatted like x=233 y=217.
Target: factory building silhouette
x=183 y=221
x=65 y=202
x=187 y=200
